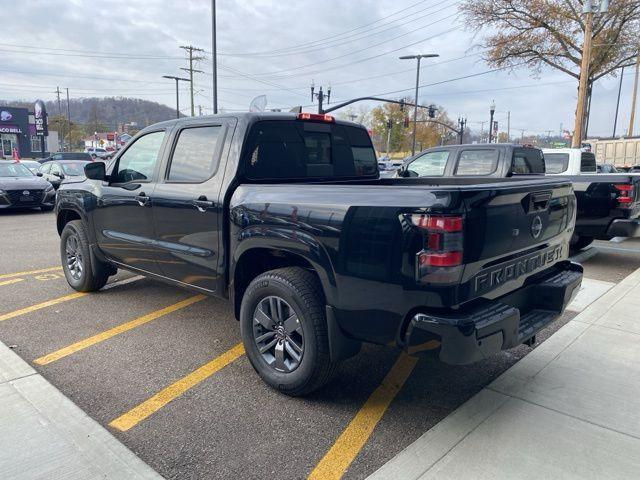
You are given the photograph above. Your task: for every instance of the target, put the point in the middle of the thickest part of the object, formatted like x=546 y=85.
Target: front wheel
x=284 y=330
x=82 y=273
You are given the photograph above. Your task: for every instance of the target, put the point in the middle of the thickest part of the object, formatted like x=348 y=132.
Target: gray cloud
x=156 y=28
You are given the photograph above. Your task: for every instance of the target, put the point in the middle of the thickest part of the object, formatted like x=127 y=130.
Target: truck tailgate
x=512 y=232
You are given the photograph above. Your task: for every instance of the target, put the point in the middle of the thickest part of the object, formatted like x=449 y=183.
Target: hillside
x=107 y=111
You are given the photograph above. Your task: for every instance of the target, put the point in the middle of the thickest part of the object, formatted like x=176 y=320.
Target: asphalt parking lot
x=164 y=371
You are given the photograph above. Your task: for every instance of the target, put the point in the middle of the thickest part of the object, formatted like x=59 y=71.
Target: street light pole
x=177 y=79
x=415 y=109
x=492 y=110
x=214 y=56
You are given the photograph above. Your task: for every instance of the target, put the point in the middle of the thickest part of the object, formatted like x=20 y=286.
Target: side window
x=57 y=156
x=55 y=168
x=45 y=168
x=430 y=164
x=195 y=157
x=587 y=162
x=477 y=162
x=139 y=161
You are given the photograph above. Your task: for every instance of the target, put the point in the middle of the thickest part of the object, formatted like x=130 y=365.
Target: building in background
x=18 y=130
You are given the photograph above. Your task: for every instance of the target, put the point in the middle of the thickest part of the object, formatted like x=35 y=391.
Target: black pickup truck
x=608 y=204
x=285 y=215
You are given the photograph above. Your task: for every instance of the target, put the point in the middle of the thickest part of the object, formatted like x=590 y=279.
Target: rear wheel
x=284 y=330
x=82 y=272
x=578 y=243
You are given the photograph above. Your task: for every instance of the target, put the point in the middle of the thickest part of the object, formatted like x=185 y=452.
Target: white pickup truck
x=608 y=203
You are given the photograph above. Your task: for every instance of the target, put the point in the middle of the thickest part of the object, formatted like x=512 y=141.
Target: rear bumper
x=472 y=335
x=624 y=228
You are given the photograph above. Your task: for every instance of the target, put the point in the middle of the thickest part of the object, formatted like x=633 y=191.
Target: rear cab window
x=477 y=162
x=587 y=162
x=299 y=150
x=527 y=161
x=556 y=162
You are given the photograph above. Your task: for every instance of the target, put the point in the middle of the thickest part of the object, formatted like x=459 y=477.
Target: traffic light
x=402 y=105
x=432 y=111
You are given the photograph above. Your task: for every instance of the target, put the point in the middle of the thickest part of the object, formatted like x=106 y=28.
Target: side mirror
x=58 y=174
x=95 y=171
x=38 y=174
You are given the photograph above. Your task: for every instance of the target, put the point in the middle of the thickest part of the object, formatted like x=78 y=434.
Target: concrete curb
x=45 y=435
x=508 y=394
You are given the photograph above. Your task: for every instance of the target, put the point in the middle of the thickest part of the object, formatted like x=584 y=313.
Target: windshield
x=73 y=169
x=556 y=162
x=14 y=170
x=278 y=149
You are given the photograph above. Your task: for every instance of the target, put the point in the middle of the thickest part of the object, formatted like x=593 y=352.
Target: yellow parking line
x=31 y=272
x=112 y=332
x=38 y=306
x=166 y=395
x=9 y=282
x=353 y=438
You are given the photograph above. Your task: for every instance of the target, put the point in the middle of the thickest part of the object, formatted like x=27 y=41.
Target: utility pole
x=389 y=126
x=69 y=117
x=214 y=56
x=177 y=79
x=415 y=109
x=58 y=92
x=508 y=126
x=521 y=137
x=580 y=123
x=199 y=110
x=190 y=49
x=320 y=95
x=615 y=119
x=633 y=100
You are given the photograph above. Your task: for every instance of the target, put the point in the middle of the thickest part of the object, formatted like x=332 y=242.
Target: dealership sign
x=40 y=114
x=5 y=116
x=10 y=129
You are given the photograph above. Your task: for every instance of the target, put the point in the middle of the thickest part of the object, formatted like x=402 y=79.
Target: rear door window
x=277 y=149
x=527 y=161
x=431 y=164
x=195 y=156
x=477 y=162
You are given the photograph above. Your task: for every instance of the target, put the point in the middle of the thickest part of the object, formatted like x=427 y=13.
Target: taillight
x=320 y=117
x=440 y=259
x=625 y=195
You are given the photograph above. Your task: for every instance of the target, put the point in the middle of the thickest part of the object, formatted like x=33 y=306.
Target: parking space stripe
x=173 y=391
x=353 y=438
x=9 y=282
x=39 y=306
x=31 y=272
x=112 y=332
x=64 y=298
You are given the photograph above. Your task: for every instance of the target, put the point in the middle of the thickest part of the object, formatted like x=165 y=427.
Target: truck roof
x=247 y=117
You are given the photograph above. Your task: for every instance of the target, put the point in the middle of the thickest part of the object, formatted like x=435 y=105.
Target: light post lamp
x=177 y=79
x=415 y=109
x=492 y=110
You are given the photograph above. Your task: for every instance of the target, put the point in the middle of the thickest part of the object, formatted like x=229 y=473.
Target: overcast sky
x=277 y=48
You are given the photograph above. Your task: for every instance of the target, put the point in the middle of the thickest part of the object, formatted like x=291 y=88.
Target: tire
x=87 y=274
x=578 y=243
x=300 y=294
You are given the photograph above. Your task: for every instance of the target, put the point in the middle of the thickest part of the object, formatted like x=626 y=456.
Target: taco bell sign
x=40 y=114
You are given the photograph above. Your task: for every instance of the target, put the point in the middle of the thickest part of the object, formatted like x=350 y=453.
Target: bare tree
x=540 y=33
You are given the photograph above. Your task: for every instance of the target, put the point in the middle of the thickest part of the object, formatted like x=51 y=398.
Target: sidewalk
x=43 y=435
x=568 y=410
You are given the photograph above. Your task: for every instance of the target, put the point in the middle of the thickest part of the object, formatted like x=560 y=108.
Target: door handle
x=202 y=204
x=142 y=199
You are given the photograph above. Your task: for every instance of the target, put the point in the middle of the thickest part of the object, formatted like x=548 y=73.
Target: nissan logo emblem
x=26 y=192
x=536 y=227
